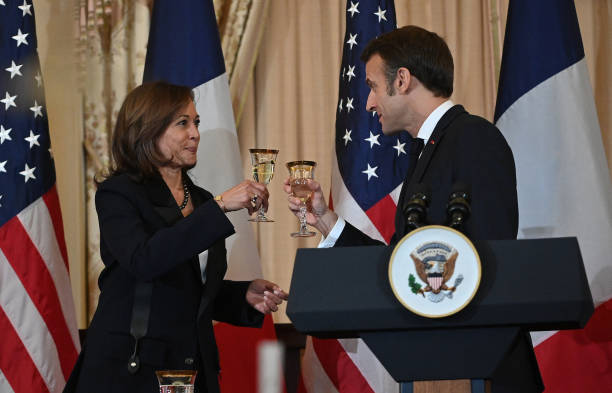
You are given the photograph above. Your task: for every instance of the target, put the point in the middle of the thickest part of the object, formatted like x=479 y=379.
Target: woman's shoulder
x=120 y=181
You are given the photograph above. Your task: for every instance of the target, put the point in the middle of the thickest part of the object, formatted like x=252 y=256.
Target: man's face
x=388 y=107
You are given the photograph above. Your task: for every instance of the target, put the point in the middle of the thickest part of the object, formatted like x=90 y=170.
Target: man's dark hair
x=423 y=53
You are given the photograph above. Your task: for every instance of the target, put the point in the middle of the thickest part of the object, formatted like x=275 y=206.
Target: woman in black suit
x=162 y=244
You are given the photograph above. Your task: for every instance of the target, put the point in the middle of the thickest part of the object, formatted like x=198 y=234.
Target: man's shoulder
x=476 y=128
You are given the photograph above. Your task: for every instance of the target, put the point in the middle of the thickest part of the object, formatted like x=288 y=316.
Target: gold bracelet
x=219 y=200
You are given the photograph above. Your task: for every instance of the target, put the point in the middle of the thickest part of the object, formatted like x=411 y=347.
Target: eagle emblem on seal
x=434 y=263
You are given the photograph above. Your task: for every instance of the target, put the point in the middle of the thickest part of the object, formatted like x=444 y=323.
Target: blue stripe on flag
x=178 y=53
x=536 y=48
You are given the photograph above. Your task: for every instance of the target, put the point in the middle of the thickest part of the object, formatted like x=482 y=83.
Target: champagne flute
x=299 y=173
x=262 y=161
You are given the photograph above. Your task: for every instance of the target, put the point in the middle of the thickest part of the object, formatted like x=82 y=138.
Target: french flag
x=185 y=49
x=546 y=111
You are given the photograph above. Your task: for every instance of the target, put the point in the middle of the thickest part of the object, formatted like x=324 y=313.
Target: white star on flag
x=352 y=40
x=370 y=171
x=347 y=137
x=33 y=139
x=28 y=173
x=3 y=166
x=25 y=8
x=4 y=134
x=400 y=148
x=38 y=79
x=1 y=195
x=9 y=101
x=373 y=113
x=14 y=69
x=349 y=104
x=381 y=14
x=353 y=9
x=340 y=106
x=37 y=109
x=2 y=2
x=20 y=38
x=373 y=139
x=351 y=72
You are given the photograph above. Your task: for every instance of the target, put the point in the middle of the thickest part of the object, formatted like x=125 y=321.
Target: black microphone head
x=458 y=207
x=460 y=190
x=421 y=191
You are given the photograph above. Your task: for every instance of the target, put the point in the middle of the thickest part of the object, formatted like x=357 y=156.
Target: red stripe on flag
x=379 y=215
x=52 y=201
x=32 y=271
x=22 y=375
x=339 y=367
x=238 y=354
x=579 y=360
x=301 y=387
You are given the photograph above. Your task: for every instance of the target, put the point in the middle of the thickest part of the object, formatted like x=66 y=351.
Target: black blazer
x=144 y=237
x=462 y=148
x=469 y=149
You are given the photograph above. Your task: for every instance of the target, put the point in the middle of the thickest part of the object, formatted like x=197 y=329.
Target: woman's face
x=179 y=143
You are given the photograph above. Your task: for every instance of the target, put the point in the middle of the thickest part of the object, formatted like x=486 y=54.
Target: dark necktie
x=415 y=151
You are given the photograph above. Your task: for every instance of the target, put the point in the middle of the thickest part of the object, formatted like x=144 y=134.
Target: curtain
x=282 y=58
x=113 y=38
x=291 y=102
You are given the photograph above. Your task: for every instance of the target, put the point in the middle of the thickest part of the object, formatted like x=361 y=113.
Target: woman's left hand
x=265 y=296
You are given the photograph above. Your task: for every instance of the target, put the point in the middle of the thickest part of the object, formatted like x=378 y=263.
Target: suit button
x=189 y=361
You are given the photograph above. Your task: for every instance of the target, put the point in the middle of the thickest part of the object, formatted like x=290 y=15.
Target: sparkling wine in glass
x=262 y=161
x=299 y=174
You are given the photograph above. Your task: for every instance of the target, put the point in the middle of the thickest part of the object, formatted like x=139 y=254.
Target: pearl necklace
x=185 y=195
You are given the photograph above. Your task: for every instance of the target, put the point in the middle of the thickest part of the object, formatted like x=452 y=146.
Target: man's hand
x=265 y=296
x=318 y=214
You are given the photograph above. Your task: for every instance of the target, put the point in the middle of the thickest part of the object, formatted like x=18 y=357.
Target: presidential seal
x=434 y=271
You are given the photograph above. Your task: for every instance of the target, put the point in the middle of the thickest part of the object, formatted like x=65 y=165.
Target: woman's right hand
x=241 y=196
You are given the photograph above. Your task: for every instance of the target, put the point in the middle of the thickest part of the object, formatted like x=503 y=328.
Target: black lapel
x=198 y=198
x=433 y=142
x=163 y=202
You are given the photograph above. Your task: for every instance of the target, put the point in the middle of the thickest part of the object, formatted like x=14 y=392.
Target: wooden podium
x=526 y=285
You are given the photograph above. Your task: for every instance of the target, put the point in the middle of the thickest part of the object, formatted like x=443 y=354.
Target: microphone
x=415 y=208
x=458 y=208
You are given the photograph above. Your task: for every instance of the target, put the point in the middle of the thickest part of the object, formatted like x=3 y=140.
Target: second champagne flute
x=299 y=173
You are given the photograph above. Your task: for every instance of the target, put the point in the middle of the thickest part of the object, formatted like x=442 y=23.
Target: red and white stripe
x=37 y=315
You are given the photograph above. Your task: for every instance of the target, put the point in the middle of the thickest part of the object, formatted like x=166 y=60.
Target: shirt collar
x=432 y=120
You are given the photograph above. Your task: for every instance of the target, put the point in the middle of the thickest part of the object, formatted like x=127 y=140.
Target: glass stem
x=302 y=216
x=261 y=213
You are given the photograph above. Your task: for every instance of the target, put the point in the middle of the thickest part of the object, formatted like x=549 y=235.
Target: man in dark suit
x=410 y=75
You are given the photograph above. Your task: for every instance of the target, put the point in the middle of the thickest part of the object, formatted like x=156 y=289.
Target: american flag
x=366 y=181
x=370 y=166
x=40 y=340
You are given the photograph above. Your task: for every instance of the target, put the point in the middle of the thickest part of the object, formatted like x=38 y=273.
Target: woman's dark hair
x=423 y=53
x=146 y=113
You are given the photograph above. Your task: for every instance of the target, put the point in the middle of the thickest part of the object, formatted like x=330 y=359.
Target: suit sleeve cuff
x=333 y=235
